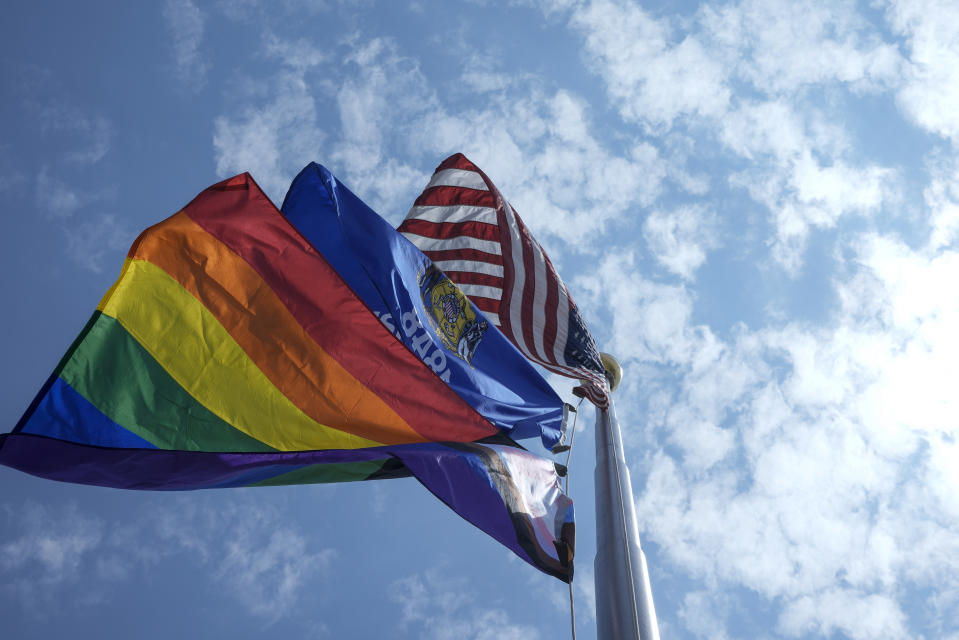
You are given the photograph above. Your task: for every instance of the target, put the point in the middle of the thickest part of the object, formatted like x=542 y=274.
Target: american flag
x=470 y=232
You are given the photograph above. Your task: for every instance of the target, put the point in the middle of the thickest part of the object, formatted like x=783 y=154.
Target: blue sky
x=754 y=203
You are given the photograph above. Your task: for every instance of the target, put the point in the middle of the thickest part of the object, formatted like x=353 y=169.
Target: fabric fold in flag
x=500 y=488
x=423 y=308
x=469 y=230
x=233 y=352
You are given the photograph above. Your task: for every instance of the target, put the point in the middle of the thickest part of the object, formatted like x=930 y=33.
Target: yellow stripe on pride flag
x=195 y=349
x=261 y=324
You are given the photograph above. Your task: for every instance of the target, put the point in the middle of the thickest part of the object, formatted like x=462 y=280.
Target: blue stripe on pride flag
x=65 y=414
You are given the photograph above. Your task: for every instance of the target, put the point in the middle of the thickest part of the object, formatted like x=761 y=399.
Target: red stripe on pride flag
x=239 y=215
x=263 y=327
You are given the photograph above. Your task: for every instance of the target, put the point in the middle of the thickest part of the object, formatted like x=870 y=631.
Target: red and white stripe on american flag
x=463 y=224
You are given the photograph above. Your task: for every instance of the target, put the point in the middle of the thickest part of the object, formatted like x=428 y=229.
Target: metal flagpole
x=624 y=600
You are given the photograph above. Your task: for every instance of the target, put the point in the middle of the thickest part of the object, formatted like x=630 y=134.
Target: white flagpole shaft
x=624 y=600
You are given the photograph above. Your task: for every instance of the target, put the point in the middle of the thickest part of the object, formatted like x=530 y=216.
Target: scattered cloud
x=442 y=608
x=856 y=615
x=48 y=552
x=89 y=237
x=653 y=74
x=942 y=199
x=929 y=93
x=262 y=564
x=97 y=236
x=55 y=197
x=542 y=152
x=680 y=239
x=662 y=71
x=59 y=183
x=276 y=133
x=185 y=22
x=300 y=54
x=90 y=136
x=793 y=460
x=266 y=566
x=704 y=615
x=783 y=47
x=272 y=142
x=263 y=10
x=538 y=147
x=380 y=102
x=809 y=465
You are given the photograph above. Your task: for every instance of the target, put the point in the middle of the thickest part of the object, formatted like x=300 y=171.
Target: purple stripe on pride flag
x=457 y=473
x=462 y=481
x=158 y=469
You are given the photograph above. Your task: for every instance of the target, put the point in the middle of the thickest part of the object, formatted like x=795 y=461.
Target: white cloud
x=817 y=196
x=12 y=174
x=276 y=139
x=542 y=153
x=267 y=571
x=539 y=148
x=443 y=609
x=297 y=54
x=786 y=447
x=652 y=78
x=781 y=46
x=858 y=616
x=770 y=127
x=91 y=135
x=799 y=174
x=380 y=103
x=930 y=91
x=55 y=197
x=263 y=565
x=585 y=587
x=703 y=616
x=186 y=23
x=749 y=74
x=942 y=200
x=778 y=456
x=275 y=133
x=272 y=142
x=89 y=237
x=58 y=199
x=59 y=192
x=93 y=238
x=680 y=239
x=653 y=324
x=48 y=554
x=11 y=178
x=267 y=11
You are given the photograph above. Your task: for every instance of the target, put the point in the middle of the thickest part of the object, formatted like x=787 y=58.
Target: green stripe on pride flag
x=333 y=472
x=121 y=379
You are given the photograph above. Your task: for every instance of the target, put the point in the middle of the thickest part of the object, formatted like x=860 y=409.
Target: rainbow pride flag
x=244 y=347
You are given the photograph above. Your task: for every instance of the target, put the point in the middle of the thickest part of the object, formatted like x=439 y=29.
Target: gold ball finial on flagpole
x=614 y=372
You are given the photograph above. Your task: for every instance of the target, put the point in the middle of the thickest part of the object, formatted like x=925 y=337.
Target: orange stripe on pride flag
x=191 y=345
x=265 y=329
x=239 y=215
